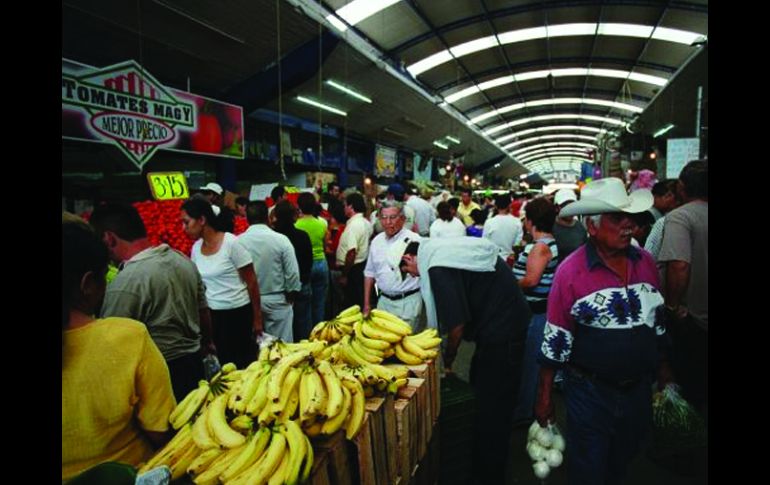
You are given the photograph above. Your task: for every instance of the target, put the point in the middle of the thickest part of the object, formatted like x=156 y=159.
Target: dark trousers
x=354 y=291
x=495 y=375
x=689 y=360
x=605 y=427
x=234 y=335
x=185 y=373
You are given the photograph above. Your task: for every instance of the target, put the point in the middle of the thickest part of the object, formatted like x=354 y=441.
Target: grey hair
x=393 y=204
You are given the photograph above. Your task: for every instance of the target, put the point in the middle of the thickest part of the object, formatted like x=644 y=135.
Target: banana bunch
x=375 y=377
x=195 y=399
x=178 y=454
x=416 y=349
x=341 y=325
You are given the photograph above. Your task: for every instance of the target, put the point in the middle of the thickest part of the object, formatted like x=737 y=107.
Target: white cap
x=564 y=195
x=213 y=187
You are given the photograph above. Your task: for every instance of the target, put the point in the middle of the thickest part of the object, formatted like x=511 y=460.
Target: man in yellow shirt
x=466 y=207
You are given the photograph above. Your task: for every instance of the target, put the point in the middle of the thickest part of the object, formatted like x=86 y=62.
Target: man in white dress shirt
x=399 y=292
x=277 y=271
x=353 y=250
x=503 y=229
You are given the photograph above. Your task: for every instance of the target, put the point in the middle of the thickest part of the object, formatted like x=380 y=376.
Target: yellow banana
x=296 y=443
x=264 y=354
x=389 y=352
x=279 y=475
x=383 y=372
x=316 y=331
x=181 y=405
x=200 y=432
x=369 y=355
x=414 y=349
x=289 y=385
x=251 y=452
x=389 y=326
x=179 y=441
x=398 y=370
x=427 y=342
x=292 y=403
x=193 y=405
x=427 y=333
x=376 y=332
x=349 y=355
x=406 y=357
x=271 y=460
x=369 y=342
x=357 y=408
x=221 y=431
x=332 y=425
x=333 y=388
x=229 y=368
x=318 y=394
x=380 y=315
x=242 y=423
x=202 y=461
x=393 y=387
x=352 y=310
x=210 y=476
x=350 y=319
x=258 y=401
x=278 y=374
x=179 y=466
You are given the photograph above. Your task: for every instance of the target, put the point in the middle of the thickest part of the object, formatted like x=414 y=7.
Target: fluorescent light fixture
x=663 y=130
x=627 y=30
x=441 y=145
x=549 y=137
x=554 y=144
x=675 y=35
x=474 y=46
x=560 y=30
x=337 y=23
x=358 y=10
x=540 y=129
x=553 y=152
x=318 y=104
x=564 y=72
x=555 y=101
x=452 y=139
x=523 y=176
x=347 y=90
x=522 y=121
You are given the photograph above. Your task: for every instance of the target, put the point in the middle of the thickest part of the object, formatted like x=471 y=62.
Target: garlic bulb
x=533 y=429
x=536 y=452
x=544 y=437
x=541 y=469
x=553 y=458
x=558 y=442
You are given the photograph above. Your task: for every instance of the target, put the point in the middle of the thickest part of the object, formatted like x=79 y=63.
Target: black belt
x=400 y=296
x=623 y=385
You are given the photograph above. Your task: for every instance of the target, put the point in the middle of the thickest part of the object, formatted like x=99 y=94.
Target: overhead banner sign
x=385 y=161
x=679 y=151
x=126 y=106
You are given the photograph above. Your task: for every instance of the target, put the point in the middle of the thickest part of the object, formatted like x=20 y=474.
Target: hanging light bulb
x=367 y=181
x=653 y=156
x=466 y=177
x=448 y=167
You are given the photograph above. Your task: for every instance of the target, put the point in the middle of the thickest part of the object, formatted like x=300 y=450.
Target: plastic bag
x=545 y=446
x=677 y=426
x=210 y=366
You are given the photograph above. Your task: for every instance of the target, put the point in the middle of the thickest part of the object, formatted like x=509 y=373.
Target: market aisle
x=642 y=471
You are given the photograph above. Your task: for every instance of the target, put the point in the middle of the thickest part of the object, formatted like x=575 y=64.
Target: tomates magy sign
x=126 y=106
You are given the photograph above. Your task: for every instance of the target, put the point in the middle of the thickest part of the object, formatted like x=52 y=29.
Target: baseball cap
x=213 y=187
x=564 y=195
x=396 y=189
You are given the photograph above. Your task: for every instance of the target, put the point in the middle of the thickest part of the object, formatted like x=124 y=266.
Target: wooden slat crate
x=365 y=467
x=319 y=475
x=340 y=464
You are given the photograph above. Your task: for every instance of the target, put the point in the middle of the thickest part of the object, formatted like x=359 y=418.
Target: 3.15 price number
x=168 y=185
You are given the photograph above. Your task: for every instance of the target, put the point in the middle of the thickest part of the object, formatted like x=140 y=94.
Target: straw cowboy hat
x=608 y=195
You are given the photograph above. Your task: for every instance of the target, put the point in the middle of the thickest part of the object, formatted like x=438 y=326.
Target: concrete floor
x=642 y=471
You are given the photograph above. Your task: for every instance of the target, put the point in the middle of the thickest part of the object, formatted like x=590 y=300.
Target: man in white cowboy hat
x=569 y=233
x=605 y=329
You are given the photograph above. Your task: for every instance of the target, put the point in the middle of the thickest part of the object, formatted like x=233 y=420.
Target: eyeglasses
x=390 y=218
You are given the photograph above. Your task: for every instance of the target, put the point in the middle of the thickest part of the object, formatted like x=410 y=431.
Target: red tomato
x=208 y=138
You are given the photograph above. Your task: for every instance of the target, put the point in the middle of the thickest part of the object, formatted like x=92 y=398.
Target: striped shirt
x=538 y=293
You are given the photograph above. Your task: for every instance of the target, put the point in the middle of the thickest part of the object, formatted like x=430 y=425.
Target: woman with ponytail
x=231 y=284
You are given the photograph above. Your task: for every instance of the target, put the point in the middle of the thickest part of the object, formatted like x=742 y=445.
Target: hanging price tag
x=168 y=185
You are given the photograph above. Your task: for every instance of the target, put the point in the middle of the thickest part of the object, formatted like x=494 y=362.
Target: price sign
x=168 y=185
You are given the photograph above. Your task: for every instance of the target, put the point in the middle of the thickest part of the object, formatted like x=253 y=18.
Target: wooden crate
x=319 y=474
x=417 y=390
x=340 y=462
x=407 y=431
x=429 y=372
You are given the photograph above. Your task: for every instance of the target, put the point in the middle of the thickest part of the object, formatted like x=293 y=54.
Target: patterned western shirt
x=598 y=323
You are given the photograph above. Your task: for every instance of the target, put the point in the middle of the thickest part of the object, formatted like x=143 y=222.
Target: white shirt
x=274 y=261
x=357 y=233
x=442 y=228
x=504 y=230
x=425 y=214
x=225 y=290
x=389 y=279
